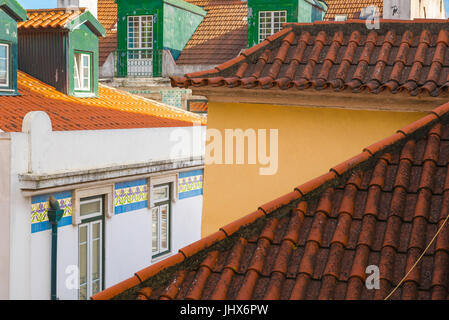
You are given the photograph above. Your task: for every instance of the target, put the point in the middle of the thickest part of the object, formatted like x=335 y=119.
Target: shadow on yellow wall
x=311 y=141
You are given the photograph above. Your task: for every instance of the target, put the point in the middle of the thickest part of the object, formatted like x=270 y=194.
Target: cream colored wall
x=311 y=141
x=430 y=9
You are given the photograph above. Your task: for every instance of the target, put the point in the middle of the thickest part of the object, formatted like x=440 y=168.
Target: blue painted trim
x=130 y=184
x=191 y=194
x=44 y=226
x=131 y=207
x=174 y=52
x=194 y=173
x=58 y=196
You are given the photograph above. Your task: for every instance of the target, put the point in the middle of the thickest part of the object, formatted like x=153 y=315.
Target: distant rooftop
x=113 y=109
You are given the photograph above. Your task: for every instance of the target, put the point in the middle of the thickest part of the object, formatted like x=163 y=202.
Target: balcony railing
x=138 y=63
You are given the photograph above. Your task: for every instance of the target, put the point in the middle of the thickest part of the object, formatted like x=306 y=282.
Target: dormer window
x=270 y=22
x=83 y=71
x=4 y=65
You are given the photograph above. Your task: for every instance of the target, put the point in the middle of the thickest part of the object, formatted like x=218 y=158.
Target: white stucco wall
x=5 y=163
x=38 y=150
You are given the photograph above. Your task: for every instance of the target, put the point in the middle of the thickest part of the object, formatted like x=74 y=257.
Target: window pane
x=164 y=228
x=96 y=260
x=155 y=214
x=90 y=208
x=96 y=228
x=160 y=194
x=83 y=251
x=96 y=287
x=83 y=292
x=4 y=65
x=3 y=52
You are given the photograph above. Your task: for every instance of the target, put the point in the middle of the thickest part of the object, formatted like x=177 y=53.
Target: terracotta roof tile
x=401 y=56
x=49 y=18
x=350 y=8
x=381 y=210
x=221 y=35
x=107 y=15
x=113 y=109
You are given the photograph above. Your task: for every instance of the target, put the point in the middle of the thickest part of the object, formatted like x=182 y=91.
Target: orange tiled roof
x=401 y=56
x=107 y=15
x=350 y=8
x=384 y=207
x=221 y=35
x=49 y=18
x=112 y=110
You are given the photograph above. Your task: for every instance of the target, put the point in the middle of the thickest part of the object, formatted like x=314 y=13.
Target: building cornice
x=33 y=184
x=386 y=101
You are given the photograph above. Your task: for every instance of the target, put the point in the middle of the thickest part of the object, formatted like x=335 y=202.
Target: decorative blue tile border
x=130 y=196
x=39 y=211
x=190 y=184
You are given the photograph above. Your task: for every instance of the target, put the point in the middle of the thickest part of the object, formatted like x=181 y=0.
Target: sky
x=38 y=4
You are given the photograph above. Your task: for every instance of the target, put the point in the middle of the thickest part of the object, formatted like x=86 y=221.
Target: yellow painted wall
x=311 y=141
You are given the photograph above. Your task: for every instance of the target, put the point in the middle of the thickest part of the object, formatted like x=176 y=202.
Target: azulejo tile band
x=190 y=184
x=130 y=196
x=39 y=211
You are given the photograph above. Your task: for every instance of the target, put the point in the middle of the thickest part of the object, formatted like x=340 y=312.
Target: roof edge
x=14 y=9
x=187 y=6
x=87 y=18
x=369 y=153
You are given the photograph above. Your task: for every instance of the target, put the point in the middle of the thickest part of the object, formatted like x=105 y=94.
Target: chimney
x=91 y=5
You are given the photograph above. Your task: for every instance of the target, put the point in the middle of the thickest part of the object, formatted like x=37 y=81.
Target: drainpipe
x=54 y=216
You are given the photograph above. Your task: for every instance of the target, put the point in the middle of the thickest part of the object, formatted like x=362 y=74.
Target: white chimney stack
x=91 y=5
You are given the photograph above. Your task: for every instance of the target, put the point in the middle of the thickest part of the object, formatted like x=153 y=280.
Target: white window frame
x=79 y=72
x=139 y=36
x=8 y=62
x=159 y=205
x=262 y=34
x=103 y=190
x=89 y=241
x=171 y=179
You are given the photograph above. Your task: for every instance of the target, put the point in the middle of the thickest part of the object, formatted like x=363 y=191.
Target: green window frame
x=83 y=71
x=91 y=247
x=161 y=220
x=5 y=65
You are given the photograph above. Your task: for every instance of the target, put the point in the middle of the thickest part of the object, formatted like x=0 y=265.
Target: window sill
x=162 y=257
x=79 y=94
x=9 y=92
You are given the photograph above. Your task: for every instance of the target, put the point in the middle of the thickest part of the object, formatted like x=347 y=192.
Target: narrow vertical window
x=83 y=71
x=140 y=45
x=4 y=65
x=91 y=247
x=270 y=22
x=161 y=220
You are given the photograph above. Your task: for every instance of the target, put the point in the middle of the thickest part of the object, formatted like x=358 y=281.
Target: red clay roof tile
x=113 y=109
x=49 y=18
x=385 y=213
x=401 y=56
x=351 y=8
x=107 y=16
x=220 y=36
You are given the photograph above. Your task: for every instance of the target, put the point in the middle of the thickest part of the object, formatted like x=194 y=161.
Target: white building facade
x=131 y=197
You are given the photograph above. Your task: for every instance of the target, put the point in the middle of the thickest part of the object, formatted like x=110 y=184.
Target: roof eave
x=14 y=9
x=90 y=21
